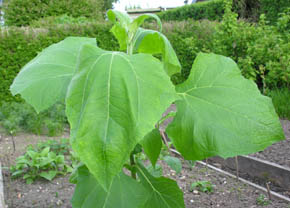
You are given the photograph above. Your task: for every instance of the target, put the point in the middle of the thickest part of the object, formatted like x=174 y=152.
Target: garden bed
x=227 y=192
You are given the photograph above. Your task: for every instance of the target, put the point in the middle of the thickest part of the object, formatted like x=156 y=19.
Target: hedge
x=261 y=51
x=211 y=10
x=19 y=45
x=214 y=10
x=23 y=12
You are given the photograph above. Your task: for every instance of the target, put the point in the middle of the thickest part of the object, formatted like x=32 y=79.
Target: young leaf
x=124 y=19
x=152 y=144
x=139 y=21
x=48 y=175
x=120 y=29
x=162 y=192
x=174 y=163
x=221 y=112
x=125 y=192
x=44 y=80
x=109 y=107
x=153 y=42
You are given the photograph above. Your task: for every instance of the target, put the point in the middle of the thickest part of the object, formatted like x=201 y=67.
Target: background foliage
x=261 y=50
x=214 y=10
x=23 y=12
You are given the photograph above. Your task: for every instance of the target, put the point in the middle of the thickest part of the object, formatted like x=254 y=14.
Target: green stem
x=132 y=163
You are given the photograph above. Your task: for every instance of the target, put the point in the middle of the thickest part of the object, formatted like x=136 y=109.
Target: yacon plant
x=114 y=100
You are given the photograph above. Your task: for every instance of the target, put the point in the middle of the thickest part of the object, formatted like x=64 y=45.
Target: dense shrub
x=16 y=117
x=212 y=10
x=18 y=46
x=272 y=8
x=261 y=51
x=23 y=12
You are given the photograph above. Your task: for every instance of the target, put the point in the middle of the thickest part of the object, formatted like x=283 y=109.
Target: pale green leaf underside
x=152 y=144
x=125 y=192
x=221 y=113
x=109 y=107
x=173 y=163
x=140 y=20
x=163 y=192
x=154 y=42
x=44 y=80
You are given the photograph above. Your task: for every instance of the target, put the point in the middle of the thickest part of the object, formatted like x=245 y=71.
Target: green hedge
x=211 y=10
x=214 y=10
x=261 y=51
x=18 y=46
x=23 y=12
x=272 y=8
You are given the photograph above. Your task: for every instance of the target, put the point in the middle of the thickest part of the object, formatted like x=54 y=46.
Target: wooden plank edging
x=2 y=203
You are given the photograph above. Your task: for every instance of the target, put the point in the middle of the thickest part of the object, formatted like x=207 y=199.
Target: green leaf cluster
x=24 y=12
x=21 y=117
x=214 y=10
x=203 y=186
x=114 y=101
x=42 y=162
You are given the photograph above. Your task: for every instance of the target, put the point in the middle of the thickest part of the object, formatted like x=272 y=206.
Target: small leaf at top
x=140 y=20
x=44 y=80
x=152 y=144
x=221 y=113
x=153 y=42
x=114 y=16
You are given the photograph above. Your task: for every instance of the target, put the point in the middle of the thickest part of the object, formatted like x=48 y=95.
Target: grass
x=281 y=101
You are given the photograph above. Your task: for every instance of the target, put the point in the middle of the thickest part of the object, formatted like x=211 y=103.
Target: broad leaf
x=125 y=192
x=174 y=163
x=153 y=42
x=109 y=107
x=48 y=175
x=152 y=144
x=221 y=113
x=164 y=192
x=44 y=80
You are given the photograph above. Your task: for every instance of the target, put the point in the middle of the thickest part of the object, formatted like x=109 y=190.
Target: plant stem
x=132 y=163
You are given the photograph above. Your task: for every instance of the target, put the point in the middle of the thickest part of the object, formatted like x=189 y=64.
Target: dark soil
x=228 y=193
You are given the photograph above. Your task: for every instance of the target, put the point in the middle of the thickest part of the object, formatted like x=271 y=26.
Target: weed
x=203 y=186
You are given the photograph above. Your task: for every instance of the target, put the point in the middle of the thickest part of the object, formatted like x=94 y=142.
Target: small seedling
x=262 y=200
x=203 y=186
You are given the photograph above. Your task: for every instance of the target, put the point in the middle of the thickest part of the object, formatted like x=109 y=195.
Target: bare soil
x=228 y=193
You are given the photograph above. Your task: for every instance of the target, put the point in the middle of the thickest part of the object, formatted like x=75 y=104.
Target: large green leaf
x=153 y=42
x=163 y=192
x=221 y=113
x=44 y=80
x=152 y=144
x=109 y=107
x=125 y=192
